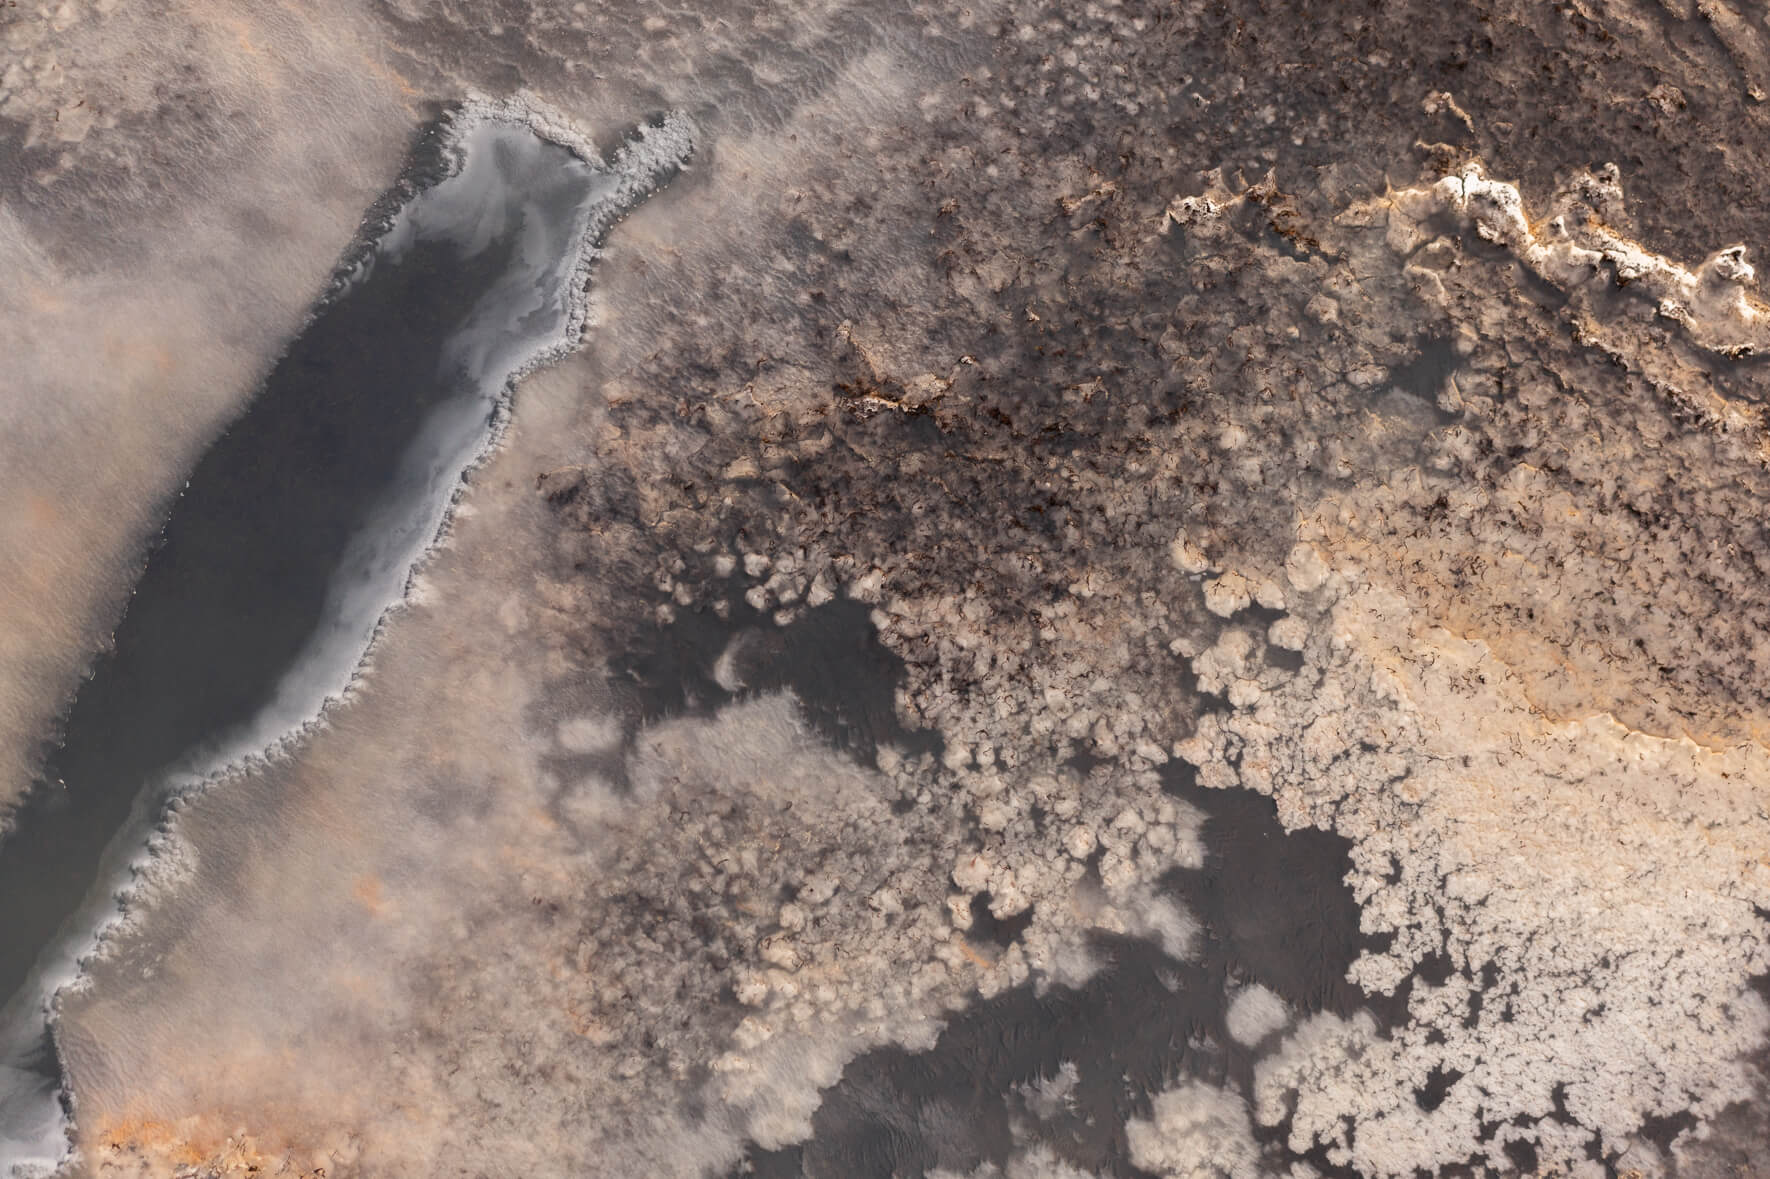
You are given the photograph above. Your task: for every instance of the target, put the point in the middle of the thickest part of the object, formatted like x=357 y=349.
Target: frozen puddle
x=297 y=530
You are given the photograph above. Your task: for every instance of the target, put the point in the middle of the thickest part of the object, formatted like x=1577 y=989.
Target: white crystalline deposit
x=1573 y=246
x=728 y=816
x=1121 y=822
x=1605 y=880
x=1047 y=1097
x=589 y=734
x=1255 y=1013
x=1196 y=1131
x=1035 y=1162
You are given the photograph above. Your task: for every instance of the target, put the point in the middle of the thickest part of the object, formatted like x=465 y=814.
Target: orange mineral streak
x=182 y=1142
x=1562 y=680
x=367 y=891
x=38 y=566
x=217 y=1142
x=408 y=92
x=197 y=1146
x=154 y=1148
x=974 y=957
x=42 y=512
x=46 y=299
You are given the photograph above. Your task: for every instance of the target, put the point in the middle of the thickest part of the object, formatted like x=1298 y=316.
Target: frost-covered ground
x=1228 y=418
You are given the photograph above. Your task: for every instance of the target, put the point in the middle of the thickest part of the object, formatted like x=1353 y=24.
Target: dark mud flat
x=296 y=530
x=1274 y=910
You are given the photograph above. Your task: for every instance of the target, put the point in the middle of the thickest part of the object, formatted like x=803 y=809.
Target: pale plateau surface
x=1111 y=590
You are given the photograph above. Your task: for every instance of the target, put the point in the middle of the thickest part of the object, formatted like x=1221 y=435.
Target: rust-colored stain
x=971 y=954
x=156 y=1137
x=1561 y=678
x=42 y=512
x=368 y=894
x=45 y=299
x=189 y=1148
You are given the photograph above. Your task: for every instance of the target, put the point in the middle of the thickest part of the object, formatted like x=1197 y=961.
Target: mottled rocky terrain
x=1120 y=590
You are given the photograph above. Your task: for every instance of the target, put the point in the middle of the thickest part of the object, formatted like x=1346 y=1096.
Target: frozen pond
x=296 y=531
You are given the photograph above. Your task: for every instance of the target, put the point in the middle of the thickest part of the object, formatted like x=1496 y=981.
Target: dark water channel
x=295 y=532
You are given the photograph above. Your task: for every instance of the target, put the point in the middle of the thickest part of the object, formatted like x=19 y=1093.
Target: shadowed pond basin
x=296 y=531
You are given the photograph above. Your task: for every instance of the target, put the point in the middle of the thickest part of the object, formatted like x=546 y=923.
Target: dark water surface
x=296 y=530
x=829 y=657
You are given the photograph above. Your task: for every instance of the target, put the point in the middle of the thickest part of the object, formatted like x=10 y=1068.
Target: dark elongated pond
x=296 y=531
